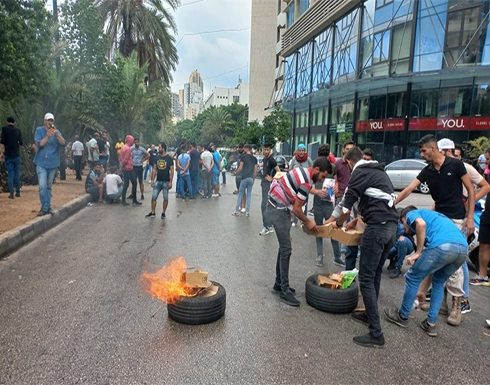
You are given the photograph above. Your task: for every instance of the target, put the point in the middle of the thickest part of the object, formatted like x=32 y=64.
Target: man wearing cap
x=47 y=159
x=445 y=176
x=9 y=149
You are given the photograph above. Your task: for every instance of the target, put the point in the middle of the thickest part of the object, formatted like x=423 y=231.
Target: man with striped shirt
x=288 y=195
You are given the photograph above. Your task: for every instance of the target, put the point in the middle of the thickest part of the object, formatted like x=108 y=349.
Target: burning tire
x=199 y=310
x=331 y=300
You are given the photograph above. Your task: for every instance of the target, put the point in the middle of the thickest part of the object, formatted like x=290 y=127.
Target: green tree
x=217 y=126
x=477 y=147
x=145 y=27
x=277 y=126
x=25 y=49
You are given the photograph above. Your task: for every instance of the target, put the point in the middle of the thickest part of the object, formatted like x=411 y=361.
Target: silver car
x=402 y=172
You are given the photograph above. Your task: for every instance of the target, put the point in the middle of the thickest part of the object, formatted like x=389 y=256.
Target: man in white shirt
x=77 y=151
x=207 y=173
x=113 y=186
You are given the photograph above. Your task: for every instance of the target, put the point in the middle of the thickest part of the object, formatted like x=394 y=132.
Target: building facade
x=385 y=72
x=192 y=96
x=226 y=96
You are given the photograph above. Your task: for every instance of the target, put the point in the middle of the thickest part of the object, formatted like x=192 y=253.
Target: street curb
x=14 y=239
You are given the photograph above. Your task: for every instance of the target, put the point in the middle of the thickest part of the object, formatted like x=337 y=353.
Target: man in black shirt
x=9 y=149
x=163 y=170
x=248 y=171
x=444 y=176
x=269 y=169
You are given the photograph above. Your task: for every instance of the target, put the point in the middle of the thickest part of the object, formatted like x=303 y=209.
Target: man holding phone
x=48 y=141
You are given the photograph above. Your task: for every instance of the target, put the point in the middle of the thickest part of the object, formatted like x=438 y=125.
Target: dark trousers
x=77 y=162
x=375 y=246
x=207 y=183
x=195 y=188
x=263 y=206
x=281 y=220
x=13 y=173
x=350 y=256
x=129 y=176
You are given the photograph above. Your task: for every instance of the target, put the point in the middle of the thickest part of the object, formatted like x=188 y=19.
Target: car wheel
x=331 y=300
x=199 y=310
x=424 y=188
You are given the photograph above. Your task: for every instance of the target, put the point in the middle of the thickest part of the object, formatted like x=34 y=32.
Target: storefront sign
x=422 y=124
x=380 y=125
x=480 y=123
x=458 y=123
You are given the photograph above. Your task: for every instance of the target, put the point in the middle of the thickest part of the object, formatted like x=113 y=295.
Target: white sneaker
x=264 y=231
x=235 y=213
x=243 y=209
x=293 y=224
x=488 y=322
x=247 y=214
x=215 y=195
x=270 y=229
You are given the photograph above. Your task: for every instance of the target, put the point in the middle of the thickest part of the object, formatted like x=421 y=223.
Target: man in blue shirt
x=441 y=250
x=47 y=160
x=216 y=170
x=183 y=164
x=139 y=157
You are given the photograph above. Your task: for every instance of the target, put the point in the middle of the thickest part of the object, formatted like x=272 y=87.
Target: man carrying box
x=370 y=185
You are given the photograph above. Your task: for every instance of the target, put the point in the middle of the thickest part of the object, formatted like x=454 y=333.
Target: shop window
x=455 y=101
x=481 y=100
x=395 y=105
x=424 y=104
x=400 y=48
x=363 y=109
x=377 y=107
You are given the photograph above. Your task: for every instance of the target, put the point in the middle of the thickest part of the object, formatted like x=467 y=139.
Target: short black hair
x=136 y=138
x=164 y=145
x=240 y=145
x=427 y=139
x=324 y=150
x=368 y=152
x=10 y=119
x=192 y=143
x=458 y=147
x=247 y=146
x=322 y=163
x=267 y=145
x=354 y=154
x=406 y=210
x=347 y=142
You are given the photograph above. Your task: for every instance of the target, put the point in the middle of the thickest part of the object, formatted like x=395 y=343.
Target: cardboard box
x=196 y=278
x=346 y=237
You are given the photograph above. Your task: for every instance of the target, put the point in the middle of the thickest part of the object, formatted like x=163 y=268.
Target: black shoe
x=50 y=211
x=142 y=197
x=11 y=196
x=369 y=341
x=393 y=315
x=429 y=329
x=130 y=197
x=392 y=264
x=17 y=194
x=396 y=273
x=360 y=317
x=41 y=213
x=163 y=216
x=124 y=204
x=289 y=299
x=150 y=215
x=277 y=289
x=136 y=203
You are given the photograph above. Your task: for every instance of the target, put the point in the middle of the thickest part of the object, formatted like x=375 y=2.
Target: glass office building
x=387 y=72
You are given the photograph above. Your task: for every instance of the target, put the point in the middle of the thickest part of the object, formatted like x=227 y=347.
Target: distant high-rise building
x=177 y=108
x=195 y=77
x=226 y=96
x=192 y=96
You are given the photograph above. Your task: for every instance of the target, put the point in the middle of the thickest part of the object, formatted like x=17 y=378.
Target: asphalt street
x=73 y=309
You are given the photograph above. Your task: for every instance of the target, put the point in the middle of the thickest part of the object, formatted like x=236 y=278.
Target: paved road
x=73 y=310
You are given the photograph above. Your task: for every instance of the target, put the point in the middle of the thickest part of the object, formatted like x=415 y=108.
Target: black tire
x=331 y=300
x=198 y=310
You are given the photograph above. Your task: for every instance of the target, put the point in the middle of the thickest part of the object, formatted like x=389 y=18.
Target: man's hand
x=268 y=178
x=411 y=259
x=352 y=224
x=336 y=188
x=311 y=225
x=152 y=184
x=321 y=193
x=470 y=226
x=169 y=185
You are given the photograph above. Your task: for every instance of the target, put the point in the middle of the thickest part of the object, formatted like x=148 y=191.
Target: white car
x=402 y=172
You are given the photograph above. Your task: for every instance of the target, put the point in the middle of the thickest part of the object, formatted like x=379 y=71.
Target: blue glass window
x=303 y=6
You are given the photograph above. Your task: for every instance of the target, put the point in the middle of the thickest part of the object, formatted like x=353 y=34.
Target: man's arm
x=298 y=212
x=407 y=191
x=420 y=229
x=470 y=224
x=256 y=167
x=171 y=177
x=239 y=170
x=146 y=157
x=483 y=191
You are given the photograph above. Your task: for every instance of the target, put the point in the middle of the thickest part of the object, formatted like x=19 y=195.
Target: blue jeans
x=195 y=187
x=323 y=210
x=247 y=184
x=376 y=242
x=148 y=167
x=350 y=256
x=183 y=180
x=223 y=175
x=441 y=262
x=402 y=249
x=281 y=220
x=45 y=177
x=160 y=186
x=466 y=281
x=13 y=171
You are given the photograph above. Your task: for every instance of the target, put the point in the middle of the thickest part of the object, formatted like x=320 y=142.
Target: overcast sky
x=220 y=57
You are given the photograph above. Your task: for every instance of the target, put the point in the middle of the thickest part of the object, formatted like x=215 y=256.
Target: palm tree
x=217 y=125
x=144 y=26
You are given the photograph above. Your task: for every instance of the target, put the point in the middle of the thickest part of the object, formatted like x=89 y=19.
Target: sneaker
x=428 y=295
x=319 y=261
x=311 y=212
x=124 y=204
x=396 y=273
x=360 y=317
x=369 y=341
x=478 y=280
x=264 y=231
x=235 y=192
x=339 y=262
x=429 y=329
x=487 y=322
x=17 y=194
x=277 y=288
x=50 y=211
x=163 y=216
x=142 y=197
x=247 y=214
x=150 y=215
x=41 y=213
x=215 y=195
x=293 y=224
x=235 y=213
x=242 y=209
x=11 y=196
x=130 y=197
x=393 y=315
x=271 y=229
x=136 y=203
x=289 y=299
x=465 y=306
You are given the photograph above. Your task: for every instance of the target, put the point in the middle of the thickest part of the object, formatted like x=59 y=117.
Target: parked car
x=402 y=172
x=283 y=161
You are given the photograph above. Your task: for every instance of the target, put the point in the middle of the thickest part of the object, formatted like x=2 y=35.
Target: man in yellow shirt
x=118 y=146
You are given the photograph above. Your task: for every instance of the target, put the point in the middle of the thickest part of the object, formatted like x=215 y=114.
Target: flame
x=167 y=284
